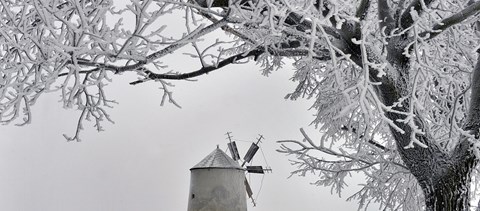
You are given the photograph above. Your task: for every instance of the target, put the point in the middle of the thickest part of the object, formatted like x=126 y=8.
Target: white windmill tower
x=218 y=182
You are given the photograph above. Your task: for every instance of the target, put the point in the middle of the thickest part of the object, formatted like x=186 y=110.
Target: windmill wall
x=217 y=184
x=217 y=190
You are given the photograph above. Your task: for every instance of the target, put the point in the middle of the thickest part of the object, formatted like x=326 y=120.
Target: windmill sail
x=249 y=191
x=232 y=146
x=251 y=152
x=255 y=169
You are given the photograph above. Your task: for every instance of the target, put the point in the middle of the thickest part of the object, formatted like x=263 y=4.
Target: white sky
x=142 y=162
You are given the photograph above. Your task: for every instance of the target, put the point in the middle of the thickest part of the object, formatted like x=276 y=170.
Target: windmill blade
x=248 y=188
x=250 y=153
x=255 y=169
x=232 y=146
x=249 y=191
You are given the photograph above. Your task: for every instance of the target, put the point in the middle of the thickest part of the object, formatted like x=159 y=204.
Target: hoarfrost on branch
x=395 y=83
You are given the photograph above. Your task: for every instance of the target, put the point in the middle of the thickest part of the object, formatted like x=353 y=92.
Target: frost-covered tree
x=395 y=83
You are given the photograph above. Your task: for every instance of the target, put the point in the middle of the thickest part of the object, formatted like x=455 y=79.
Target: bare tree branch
x=375 y=77
x=438 y=28
x=204 y=70
x=370 y=141
x=385 y=16
x=406 y=19
x=362 y=9
x=473 y=117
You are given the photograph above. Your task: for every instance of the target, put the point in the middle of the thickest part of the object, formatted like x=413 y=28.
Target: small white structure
x=217 y=184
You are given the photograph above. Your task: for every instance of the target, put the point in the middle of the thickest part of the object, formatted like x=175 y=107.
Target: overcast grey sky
x=142 y=162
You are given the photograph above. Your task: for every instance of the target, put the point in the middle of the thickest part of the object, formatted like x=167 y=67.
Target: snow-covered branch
x=370 y=68
x=385 y=16
x=456 y=18
x=362 y=9
x=416 y=7
x=149 y=75
x=473 y=117
x=334 y=167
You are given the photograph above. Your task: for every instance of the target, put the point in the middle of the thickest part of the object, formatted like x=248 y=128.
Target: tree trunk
x=452 y=195
x=449 y=190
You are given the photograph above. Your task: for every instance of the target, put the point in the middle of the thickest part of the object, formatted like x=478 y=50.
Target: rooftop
x=217 y=159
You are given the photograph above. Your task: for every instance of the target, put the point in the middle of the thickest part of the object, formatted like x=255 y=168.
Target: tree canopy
x=395 y=83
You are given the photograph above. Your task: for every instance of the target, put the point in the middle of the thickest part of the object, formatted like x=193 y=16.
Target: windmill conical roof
x=217 y=159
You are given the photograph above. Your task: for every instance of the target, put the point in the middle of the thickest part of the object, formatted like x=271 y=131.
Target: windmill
x=247 y=158
x=218 y=180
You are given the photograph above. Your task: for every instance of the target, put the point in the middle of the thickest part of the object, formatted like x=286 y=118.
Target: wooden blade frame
x=249 y=191
x=255 y=169
x=251 y=152
x=232 y=146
